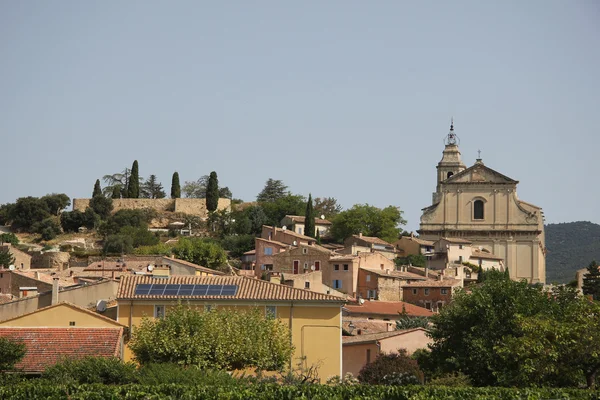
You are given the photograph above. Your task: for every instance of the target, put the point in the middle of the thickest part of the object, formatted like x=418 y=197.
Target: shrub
x=157 y=249
x=157 y=374
x=391 y=369
x=456 y=379
x=108 y=371
x=9 y=238
x=11 y=352
x=48 y=228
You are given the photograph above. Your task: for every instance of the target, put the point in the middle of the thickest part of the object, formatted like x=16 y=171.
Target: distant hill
x=571 y=246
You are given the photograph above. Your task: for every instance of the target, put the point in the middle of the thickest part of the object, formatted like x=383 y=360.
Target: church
x=481 y=205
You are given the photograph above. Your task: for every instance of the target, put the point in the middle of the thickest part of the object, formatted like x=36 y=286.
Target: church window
x=450 y=173
x=478 y=209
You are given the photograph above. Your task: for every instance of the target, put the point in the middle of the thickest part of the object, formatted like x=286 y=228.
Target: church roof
x=480 y=173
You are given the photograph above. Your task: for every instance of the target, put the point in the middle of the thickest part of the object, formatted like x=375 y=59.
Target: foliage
x=418 y=260
x=48 y=228
x=26 y=211
x=225 y=193
x=212 y=192
x=175 y=186
x=392 y=369
x=102 y=206
x=591 y=281
x=107 y=371
x=140 y=236
x=407 y=322
x=9 y=238
x=6 y=258
x=368 y=220
x=116 y=192
x=133 y=186
x=71 y=221
x=56 y=202
x=117 y=244
x=228 y=339
x=570 y=246
x=278 y=208
x=97 y=189
x=199 y=251
x=309 y=218
x=5 y=213
x=11 y=352
x=197 y=189
x=327 y=206
x=237 y=245
x=152 y=189
x=273 y=190
x=158 y=374
x=248 y=221
x=455 y=379
x=123 y=218
x=116 y=183
x=157 y=249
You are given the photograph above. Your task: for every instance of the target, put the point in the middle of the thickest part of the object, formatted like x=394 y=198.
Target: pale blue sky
x=349 y=99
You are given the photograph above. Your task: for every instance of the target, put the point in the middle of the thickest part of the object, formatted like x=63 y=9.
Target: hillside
x=571 y=246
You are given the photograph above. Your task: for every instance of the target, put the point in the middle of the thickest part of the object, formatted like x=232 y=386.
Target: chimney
x=54 y=291
x=426 y=272
x=359 y=234
x=390 y=327
x=37 y=275
x=440 y=277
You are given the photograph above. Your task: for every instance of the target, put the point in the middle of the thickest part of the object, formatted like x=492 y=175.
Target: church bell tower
x=450 y=164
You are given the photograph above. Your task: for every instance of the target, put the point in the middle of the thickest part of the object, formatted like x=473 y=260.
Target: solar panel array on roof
x=161 y=289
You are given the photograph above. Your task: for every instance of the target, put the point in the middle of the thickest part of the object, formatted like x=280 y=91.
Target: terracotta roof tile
x=476 y=253
x=47 y=346
x=366 y=325
x=372 y=239
x=300 y=218
x=392 y=308
x=248 y=289
x=375 y=337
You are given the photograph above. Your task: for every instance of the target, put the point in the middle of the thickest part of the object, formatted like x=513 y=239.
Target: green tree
x=6 y=213
x=118 y=244
x=203 y=252
x=140 y=236
x=196 y=189
x=212 y=192
x=6 y=258
x=175 y=187
x=123 y=218
x=71 y=221
x=11 y=352
x=27 y=211
x=102 y=206
x=119 y=180
x=47 y=228
x=97 y=189
x=116 y=192
x=56 y=202
x=273 y=190
x=225 y=193
x=309 y=218
x=103 y=370
x=368 y=220
x=287 y=205
x=591 y=281
x=237 y=245
x=222 y=344
x=133 y=188
x=418 y=260
x=9 y=238
x=318 y=237
x=152 y=188
x=391 y=369
x=327 y=206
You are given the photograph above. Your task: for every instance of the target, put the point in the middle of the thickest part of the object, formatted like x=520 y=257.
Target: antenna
x=101 y=306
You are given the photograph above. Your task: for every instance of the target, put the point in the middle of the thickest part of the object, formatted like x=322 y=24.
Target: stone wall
x=50 y=260
x=187 y=206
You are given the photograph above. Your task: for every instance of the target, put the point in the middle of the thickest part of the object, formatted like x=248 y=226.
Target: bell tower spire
x=451 y=163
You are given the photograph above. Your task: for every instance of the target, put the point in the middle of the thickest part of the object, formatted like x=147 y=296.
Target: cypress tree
x=97 y=189
x=591 y=281
x=116 y=193
x=133 y=189
x=212 y=192
x=175 y=187
x=318 y=237
x=309 y=218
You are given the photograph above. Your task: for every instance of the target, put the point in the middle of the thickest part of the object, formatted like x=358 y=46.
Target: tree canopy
x=309 y=218
x=327 y=206
x=370 y=221
x=591 y=281
x=175 y=187
x=6 y=258
x=204 y=252
x=97 y=189
x=273 y=190
x=133 y=186
x=212 y=192
x=152 y=188
x=27 y=211
x=196 y=189
x=11 y=352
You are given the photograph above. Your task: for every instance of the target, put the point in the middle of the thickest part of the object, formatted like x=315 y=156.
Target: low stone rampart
x=187 y=206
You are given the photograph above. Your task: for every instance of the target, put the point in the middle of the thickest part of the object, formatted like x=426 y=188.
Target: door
x=296 y=266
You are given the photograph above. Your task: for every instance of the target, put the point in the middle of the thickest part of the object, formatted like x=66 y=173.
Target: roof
x=281 y=244
x=250 y=252
x=250 y=289
x=479 y=166
x=372 y=239
x=433 y=283
x=388 y=308
x=301 y=219
x=456 y=240
x=48 y=278
x=67 y=304
x=47 y=346
x=394 y=274
x=375 y=337
x=417 y=240
x=290 y=232
x=365 y=325
x=484 y=254
x=197 y=267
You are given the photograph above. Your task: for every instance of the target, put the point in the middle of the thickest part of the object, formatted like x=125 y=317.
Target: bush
x=117 y=244
x=102 y=206
x=11 y=352
x=140 y=236
x=237 y=245
x=9 y=238
x=456 y=379
x=108 y=371
x=391 y=369
x=48 y=228
x=161 y=249
x=158 y=374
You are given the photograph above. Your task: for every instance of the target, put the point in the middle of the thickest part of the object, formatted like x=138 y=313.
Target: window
x=271 y=311
x=306 y=285
x=415 y=291
x=478 y=209
x=460 y=246
x=368 y=278
x=305 y=265
x=317 y=265
x=371 y=294
x=345 y=267
x=300 y=231
x=428 y=249
x=460 y=259
x=304 y=251
x=337 y=284
x=336 y=267
x=444 y=291
x=268 y=251
x=159 y=311
x=428 y=305
x=71 y=323
x=440 y=304
x=426 y=290
x=368 y=356
x=449 y=174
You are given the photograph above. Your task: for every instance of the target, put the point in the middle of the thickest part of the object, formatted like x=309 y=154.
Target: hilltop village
x=348 y=284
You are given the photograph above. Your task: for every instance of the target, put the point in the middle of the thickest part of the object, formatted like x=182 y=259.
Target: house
x=412 y=245
x=449 y=251
x=314 y=319
x=24 y=283
x=359 y=243
x=483 y=258
x=296 y=224
x=353 y=326
x=22 y=259
x=143 y=265
x=359 y=350
x=343 y=269
x=300 y=259
x=384 y=310
x=312 y=280
x=248 y=260
x=433 y=294
x=383 y=284
x=48 y=345
x=272 y=241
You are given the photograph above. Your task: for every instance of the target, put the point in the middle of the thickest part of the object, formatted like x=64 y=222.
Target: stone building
x=481 y=205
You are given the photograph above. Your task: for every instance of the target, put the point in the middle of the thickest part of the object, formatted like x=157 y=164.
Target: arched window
x=478 y=209
x=450 y=173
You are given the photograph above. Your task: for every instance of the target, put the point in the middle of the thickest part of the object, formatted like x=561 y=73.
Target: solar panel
x=185 y=290
x=200 y=290
x=214 y=290
x=229 y=290
x=171 y=290
x=157 y=289
x=142 y=289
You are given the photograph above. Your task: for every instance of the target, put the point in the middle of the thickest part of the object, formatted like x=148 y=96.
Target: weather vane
x=452 y=138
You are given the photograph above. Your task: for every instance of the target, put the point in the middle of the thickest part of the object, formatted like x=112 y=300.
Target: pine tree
x=133 y=188
x=212 y=192
x=97 y=189
x=175 y=187
x=591 y=281
x=309 y=218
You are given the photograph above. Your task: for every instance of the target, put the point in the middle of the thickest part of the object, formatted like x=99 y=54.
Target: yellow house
x=314 y=319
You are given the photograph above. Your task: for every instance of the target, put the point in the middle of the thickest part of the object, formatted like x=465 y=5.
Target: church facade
x=481 y=205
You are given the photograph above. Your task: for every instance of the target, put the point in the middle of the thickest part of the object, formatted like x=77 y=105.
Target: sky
x=345 y=99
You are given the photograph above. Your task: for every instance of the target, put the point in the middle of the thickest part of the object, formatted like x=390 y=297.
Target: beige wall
x=61 y=315
x=183 y=205
x=355 y=356
x=22 y=259
x=305 y=255
x=411 y=341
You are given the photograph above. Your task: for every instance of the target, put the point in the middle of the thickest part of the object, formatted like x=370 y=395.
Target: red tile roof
x=372 y=239
x=250 y=289
x=47 y=346
x=392 y=308
x=301 y=219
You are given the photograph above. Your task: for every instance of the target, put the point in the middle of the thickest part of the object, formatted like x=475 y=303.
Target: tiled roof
x=47 y=346
x=48 y=278
x=300 y=218
x=375 y=337
x=433 y=283
x=484 y=254
x=250 y=252
x=281 y=244
x=250 y=289
x=168 y=260
x=366 y=325
x=372 y=239
x=395 y=274
x=456 y=240
x=73 y=306
x=388 y=308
